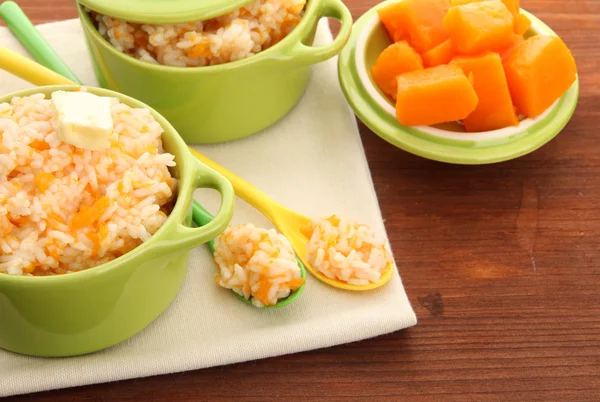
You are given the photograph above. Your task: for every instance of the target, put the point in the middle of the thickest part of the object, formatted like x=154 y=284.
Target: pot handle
x=184 y=237
x=316 y=54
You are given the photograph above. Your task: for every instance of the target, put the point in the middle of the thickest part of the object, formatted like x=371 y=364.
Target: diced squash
x=43 y=180
x=39 y=145
x=539 y=71
x=495 y=109
x=522 y=24
x=392 y=18
x=396 y=59
x=424 y=23
x=441 y=54
x=87 y=216
x=295 y=283
x=434 y=95
x=481 y=26
x=512 y=5
x=517 y=40
x=418 y=21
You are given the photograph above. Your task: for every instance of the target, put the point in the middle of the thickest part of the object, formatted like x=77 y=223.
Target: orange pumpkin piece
x=40 y=145
x=295 y=283
x=522 y=24
x=87 y=216
x=481 y=26
x=539 y=71
x=517 y=40
x=495 y=109
x=392 y=18
x=441 y=54
x=434 y=95
x=43 y=180
x=418 y=21
x=513 y=6
x=396 y=59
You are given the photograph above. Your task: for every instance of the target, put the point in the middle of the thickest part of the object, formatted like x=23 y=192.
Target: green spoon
x=43 y=53
x=202 y=217
x=32 y=40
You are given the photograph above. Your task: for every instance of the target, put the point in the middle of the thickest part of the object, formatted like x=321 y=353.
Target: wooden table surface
x=501 y=264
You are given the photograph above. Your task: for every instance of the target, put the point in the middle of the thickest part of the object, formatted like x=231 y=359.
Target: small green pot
x=90 y=310
x=229 y=101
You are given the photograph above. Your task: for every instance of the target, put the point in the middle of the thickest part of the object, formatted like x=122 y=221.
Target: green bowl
x=229 y=101
x=86 y=311
x=445 y=143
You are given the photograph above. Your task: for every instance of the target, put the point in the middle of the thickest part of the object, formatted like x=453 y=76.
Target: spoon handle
x=29 y=70
x=202 y=217
x=242 y=188
x=32 y=40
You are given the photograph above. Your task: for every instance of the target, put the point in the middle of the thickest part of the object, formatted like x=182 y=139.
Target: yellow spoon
x=288 y=222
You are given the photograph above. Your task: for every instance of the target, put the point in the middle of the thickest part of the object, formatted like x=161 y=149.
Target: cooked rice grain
x=233 y=36
x=65 y=209
x=256 y=263
x=347 y=251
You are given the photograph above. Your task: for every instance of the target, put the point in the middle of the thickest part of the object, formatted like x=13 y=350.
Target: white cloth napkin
x=312 y=161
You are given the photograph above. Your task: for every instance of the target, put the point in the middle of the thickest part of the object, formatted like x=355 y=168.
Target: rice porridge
x=233 y=36
x=66 y=209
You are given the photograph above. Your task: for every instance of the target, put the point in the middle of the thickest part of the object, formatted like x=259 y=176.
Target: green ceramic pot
x=90 y=310
x=224 y=102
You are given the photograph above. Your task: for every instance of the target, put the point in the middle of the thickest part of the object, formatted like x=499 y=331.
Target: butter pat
x=82 y=119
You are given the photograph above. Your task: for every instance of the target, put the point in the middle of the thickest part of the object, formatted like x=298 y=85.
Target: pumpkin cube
x=512 y=5
x=392 y=18
x=434 y=95
x=522 y=24
x=477 y=27
x=539 y=71
x=418 y=21
x=495 y=109
x=396 y=59
x=517 y=40
x=441 y=54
